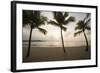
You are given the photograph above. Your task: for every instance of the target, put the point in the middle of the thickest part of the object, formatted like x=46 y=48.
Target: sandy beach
x=41 y=54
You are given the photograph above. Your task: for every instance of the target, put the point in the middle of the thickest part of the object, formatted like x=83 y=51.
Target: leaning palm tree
x=60 y=20
x=82 y=26
x=34 y=20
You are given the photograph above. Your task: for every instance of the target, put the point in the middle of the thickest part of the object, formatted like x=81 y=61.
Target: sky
x=53 y=32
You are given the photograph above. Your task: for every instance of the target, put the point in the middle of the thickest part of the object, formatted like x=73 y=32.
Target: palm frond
x=44 y=18
x=42 y=30
x=41 y=21
x=80 y=23
x=37 y=13
x=66 y=14
x=88 y=28
x=63 y=28
x=58 y=25
x=70 y=19
x=53 y=23
x=27 y=15
x=59 y=17
x=87 y=16
x=87 y=22
x=78 y=28
x=77 y=33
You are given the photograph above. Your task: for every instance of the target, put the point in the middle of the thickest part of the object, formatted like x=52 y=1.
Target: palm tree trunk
x=29 y=45
x=62 y=41
x=86 y=41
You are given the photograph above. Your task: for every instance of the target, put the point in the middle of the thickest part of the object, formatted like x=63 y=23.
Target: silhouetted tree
x=60 y=20
x=34 y=20
x=82 y=25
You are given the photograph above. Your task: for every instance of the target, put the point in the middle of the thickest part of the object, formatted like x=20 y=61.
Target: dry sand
x=41 y=54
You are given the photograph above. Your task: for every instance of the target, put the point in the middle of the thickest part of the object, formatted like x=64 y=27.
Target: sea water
x=55 y=43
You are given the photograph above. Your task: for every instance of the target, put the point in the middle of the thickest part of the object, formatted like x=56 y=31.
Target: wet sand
x=44 y=54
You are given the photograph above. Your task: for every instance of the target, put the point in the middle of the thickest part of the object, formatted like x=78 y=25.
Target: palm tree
x=82 y=25
x=60 y=20
x=34 y=20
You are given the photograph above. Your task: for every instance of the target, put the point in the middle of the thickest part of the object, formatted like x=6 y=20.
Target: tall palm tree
x=82 y=26
x=60 y=20
x=34 y=20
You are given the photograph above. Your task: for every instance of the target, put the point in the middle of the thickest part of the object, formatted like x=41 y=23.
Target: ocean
x=55 y=43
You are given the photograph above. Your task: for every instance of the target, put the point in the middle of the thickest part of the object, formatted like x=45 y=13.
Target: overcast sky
x=53 y=32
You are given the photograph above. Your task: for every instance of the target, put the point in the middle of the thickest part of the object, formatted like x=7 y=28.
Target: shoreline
x=44 y=54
